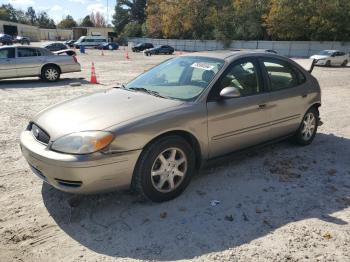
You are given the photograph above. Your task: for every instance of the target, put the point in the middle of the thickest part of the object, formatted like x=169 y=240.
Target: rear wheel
x=308 y=127
x=345 y=63
x=164 y=169
x=50 y=73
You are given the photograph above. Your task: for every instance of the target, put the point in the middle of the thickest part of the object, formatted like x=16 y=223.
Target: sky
x=57 y=9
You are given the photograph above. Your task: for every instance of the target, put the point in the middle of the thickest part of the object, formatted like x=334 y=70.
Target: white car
x=331 y=57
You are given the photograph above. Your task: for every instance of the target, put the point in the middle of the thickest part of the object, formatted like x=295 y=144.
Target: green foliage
x=87 y=22
x=8 y=13
x=67 y=23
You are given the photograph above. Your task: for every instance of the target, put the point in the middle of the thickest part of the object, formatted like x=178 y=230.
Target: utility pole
x=107 y=13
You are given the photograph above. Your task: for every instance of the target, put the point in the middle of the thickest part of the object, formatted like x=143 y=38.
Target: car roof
x=229 y=55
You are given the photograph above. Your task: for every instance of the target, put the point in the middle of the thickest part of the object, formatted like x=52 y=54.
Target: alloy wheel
x=168 y=170
x=51 y=74
x=309 y=126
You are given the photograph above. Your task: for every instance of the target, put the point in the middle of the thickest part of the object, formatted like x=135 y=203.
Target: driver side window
x=243 y=76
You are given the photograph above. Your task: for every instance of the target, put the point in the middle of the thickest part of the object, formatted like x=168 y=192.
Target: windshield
x=325 y=52
x=183 y=78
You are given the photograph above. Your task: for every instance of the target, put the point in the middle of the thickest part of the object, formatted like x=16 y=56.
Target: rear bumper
x=76 y=173
x=76 y=67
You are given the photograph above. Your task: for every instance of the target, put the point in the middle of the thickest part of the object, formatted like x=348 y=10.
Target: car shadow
x=38 y=83
x=257 y=192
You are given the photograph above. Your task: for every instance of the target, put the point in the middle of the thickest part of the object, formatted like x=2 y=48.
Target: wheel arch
x=189 y=138
x=50 y=64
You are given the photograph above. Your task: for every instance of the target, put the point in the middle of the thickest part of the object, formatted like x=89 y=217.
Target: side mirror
x=230 y=92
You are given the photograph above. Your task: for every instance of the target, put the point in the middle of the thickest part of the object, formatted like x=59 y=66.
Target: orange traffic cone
x=93 y=79
x=127 y=55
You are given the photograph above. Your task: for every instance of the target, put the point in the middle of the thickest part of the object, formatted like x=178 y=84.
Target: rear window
x=282 y=74
x=26 y=52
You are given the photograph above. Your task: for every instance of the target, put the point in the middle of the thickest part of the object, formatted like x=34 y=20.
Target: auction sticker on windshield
x=203 y=66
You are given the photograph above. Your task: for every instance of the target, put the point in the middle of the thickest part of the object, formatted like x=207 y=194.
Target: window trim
x=267 y=78
x=14 y=53
x=261 y=82
x=33 y=49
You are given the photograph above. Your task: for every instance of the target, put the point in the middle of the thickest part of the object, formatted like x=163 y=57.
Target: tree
x=67 y=23
x=98 y=19
x=44 y=21
x=31 y=15
x=9 y=13
x=129 y=11
x=87 y=22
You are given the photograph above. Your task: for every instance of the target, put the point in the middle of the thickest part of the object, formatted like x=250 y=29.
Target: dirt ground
x=277 y=203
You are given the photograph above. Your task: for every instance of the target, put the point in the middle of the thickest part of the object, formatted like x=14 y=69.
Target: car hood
x=99 y=111
x=318 y=57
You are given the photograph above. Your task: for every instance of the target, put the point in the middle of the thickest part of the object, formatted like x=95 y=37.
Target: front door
x=7 y=62
x=242 y=121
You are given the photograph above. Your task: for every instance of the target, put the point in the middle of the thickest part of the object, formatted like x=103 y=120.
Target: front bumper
x=81 y=174
x=321 y=62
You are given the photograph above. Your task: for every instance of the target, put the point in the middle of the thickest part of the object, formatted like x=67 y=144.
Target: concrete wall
x=287 y=48
x=25 y=30
x=55 y=34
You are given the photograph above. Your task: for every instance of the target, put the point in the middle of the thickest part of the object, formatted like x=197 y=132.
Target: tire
x=51 y=73
x=305 y=135
x=157 y=187
x=328 y=63
x=345 y=63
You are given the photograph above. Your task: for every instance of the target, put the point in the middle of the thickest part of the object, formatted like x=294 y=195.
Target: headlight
x=83 y=142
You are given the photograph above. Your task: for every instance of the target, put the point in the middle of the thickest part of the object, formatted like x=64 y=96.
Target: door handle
x=262 y=106
x=304 y=95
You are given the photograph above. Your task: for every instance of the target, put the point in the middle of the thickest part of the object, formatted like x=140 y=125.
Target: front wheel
x=50 y=73
x=164 y=169
x=345 y=63
x=308 y=128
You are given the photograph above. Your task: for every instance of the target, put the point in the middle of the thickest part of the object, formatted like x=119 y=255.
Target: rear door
x=28 y=61
x=7 y=62
x=288 y=99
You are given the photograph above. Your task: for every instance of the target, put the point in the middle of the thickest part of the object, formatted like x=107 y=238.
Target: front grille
x=39 y=134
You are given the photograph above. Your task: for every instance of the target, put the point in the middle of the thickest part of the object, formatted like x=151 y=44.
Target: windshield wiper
x=151 y=92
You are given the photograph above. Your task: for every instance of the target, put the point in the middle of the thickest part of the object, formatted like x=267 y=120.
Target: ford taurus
x=153 y=133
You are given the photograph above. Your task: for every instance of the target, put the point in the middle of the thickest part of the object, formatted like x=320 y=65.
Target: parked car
x=22 y=40
x=55 y=46
x=331 y=58
x=17 y=61
x=6 y=39
x=69 y=43
x=108 y=46
x=153 y=133
x=141 y=47
x=161 y=49
x=90 y=41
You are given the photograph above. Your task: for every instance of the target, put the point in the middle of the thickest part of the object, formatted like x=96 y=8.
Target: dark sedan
x=141 y=47
x=108 y=46
x=70 y=43
x=162 y=49
x=55 y=47
x=21 y=40
x=6 y=39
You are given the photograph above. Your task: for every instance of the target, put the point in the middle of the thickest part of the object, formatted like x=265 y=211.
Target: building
x=11 y=28
x=55 y=34
x=97 y=31
x=33 y=32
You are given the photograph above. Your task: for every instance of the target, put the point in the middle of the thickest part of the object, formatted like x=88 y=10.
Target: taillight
x=75 y=59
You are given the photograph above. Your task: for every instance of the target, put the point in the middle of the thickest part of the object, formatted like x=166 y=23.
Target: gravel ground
x=277 y=203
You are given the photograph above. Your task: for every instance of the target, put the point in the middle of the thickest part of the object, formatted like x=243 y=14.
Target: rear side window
x=282 y=75
x=7 y=53
x=26 y=52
